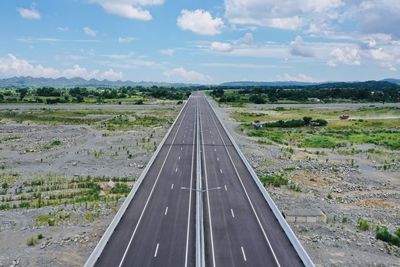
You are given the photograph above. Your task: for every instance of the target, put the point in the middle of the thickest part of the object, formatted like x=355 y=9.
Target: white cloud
x=63 y=29
x=27 y=13
x=167 y=52
x=297 y=48
x=131 y=9
x=247 y=38
x=12 y=66
x=88 y=31
x=111 y=75
x=284 y=14
x=301 y=77
x=221 y=47
x=347 y=56
x=125 y=40
x=182 y=75
x=376 y=16
x=199 y=21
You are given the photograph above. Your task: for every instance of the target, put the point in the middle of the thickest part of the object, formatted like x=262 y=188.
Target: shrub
x=32 y=241
x=363 y=224
x=382 y=233
x=120 y=188
x=40 y=236
x=276 y=180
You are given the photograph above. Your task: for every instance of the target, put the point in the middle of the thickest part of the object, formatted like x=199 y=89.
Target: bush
x=32 y=241
x=382 y=233
x=120 y=188
x=40 y=236
x=363 y=224
x=276 y=180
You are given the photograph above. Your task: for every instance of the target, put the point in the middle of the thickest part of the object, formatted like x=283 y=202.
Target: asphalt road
x=158 y=227
x=240 y=228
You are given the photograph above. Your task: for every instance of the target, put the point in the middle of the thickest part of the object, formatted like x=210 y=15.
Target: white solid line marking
x=244 y=254
x=226 y=189
x=155 y=252
x=233 y=214
x=166 y=211
x=172 y=186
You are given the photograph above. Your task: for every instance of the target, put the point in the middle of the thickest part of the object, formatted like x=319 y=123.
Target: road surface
x=158 y=227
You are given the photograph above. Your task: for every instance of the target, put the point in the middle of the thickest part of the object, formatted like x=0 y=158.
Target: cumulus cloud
x=182 y=75
x=11 y=66
x=221 y=47
x=284 y=14
x=27 y=13
x=376 y=16
x=347 y=56
x=90 y=32
x=247 y=38
x=199 y=21
x=297 y=48
x=131 y=9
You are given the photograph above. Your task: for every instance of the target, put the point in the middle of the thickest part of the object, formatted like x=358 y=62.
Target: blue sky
x=201 y=41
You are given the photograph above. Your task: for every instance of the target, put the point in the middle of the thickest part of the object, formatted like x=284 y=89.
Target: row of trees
x=78 y=94
x=365 y=91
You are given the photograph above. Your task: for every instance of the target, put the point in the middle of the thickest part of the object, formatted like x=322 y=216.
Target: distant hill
x=396 y=81
x=263 y=84
x=16 y=82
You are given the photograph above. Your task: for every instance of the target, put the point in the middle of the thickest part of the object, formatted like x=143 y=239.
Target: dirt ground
x=344 y=187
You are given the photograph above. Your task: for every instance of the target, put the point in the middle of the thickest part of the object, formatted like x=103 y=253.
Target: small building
x=304 y=216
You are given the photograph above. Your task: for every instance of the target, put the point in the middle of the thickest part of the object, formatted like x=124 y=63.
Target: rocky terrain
x=55 y=196
x=346 y=188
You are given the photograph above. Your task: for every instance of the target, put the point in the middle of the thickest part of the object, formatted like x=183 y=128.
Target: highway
x=240 y=228
x=158 y=227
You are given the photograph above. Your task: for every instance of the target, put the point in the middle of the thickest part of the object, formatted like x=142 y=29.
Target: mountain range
x=27 y=81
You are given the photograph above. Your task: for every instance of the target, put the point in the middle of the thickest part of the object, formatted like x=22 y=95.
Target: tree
x=307 y=121
x=22 y=93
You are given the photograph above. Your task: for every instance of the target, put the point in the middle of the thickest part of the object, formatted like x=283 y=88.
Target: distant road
x=159 y=226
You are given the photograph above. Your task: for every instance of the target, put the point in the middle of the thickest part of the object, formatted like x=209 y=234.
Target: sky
x=201 y=41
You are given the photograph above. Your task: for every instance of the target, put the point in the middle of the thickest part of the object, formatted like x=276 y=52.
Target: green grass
x=363 y=224
x=52 y=144
x=334 y=135
x=276 y=180
x=318 y=141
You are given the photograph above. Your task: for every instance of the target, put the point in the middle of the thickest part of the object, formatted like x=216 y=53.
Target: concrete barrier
x=91 y=261
x=285 y=226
